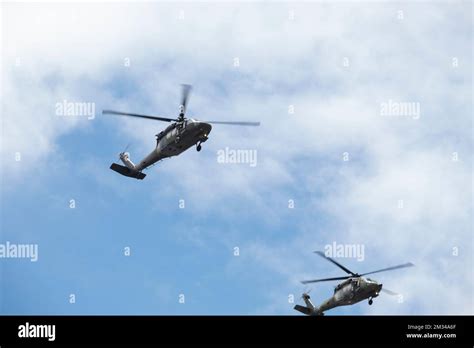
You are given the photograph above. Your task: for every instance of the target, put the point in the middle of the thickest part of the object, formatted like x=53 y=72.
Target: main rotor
x=185 y=92
x=349 y=272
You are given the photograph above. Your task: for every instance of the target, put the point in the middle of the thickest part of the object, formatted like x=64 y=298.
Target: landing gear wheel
x=370 y=302
x=198 y=147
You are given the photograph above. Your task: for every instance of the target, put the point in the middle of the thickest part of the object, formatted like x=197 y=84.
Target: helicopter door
x=180 y=127
x=356 y=285
x=352 y=289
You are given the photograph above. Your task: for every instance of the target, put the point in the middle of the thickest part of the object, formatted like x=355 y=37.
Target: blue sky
x=53 y=52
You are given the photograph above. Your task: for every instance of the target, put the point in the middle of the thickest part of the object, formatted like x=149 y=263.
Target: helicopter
x=353 y=289
x=179 y=136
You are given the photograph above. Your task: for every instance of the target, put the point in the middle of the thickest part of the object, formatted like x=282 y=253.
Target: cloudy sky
x=332 y=165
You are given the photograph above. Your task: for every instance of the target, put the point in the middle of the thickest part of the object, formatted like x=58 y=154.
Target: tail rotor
x=305 y=295
x=124 y=153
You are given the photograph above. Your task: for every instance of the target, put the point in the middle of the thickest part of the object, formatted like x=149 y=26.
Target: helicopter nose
x=379 y=287
x=204 y=127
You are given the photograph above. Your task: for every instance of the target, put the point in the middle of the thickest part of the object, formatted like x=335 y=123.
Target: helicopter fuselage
x=175 y=139
x=351 y=291
x=179 y=136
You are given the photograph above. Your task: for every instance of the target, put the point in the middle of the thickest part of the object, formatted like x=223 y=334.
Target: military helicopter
x=179 y=136
x=353 y=289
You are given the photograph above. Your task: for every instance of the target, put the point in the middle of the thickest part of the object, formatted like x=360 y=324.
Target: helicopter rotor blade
x=409 y=264
x=185 y=90
x=320 y=253
x=389 y=292
x=324 y=280
x=156 y=118
x=235 y=123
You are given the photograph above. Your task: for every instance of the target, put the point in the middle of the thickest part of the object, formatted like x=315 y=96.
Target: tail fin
x=125 y=158
x=307 y=300
x=309 y=309
x=127 y=171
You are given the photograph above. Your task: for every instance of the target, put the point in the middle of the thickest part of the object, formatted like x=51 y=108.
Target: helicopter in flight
x=179 y=136
x=353 y=289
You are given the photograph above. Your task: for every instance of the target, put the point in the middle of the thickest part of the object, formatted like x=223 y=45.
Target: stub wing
x=127 y=171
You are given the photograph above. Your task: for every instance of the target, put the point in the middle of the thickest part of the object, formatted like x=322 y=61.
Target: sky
x=333 y=167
